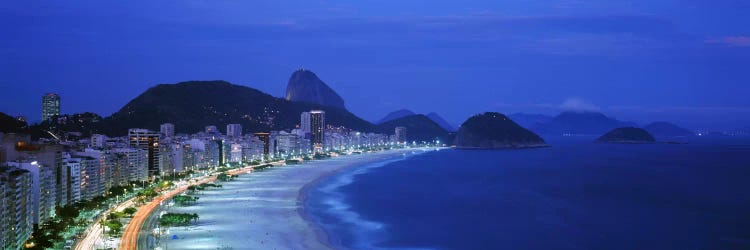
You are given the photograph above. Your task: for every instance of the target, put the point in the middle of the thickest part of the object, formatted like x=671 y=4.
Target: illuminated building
x=317 y=128
x=149 y=141
x=234 y=130
x=50 y=106
x=400 y=134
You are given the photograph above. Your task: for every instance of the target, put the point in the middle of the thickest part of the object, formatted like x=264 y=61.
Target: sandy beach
x=263 y=210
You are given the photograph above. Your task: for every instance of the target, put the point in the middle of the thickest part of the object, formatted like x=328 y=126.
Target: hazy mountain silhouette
x=579 y=123
x=395 y=115
x=435 y=117
x=529 y=120
x=418 y=128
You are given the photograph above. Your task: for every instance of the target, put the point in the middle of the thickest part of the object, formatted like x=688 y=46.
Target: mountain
x=529 y=120
x=440 y=121
x=9 y=124
x=305 y=86
x=418 y=128
x=495 y=131
x=627 y=135
x=191 y=106
x=666 y=129
x=579 y=123
x=395 y=115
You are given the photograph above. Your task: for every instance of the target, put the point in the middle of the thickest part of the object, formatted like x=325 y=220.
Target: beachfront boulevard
x=133 y=230
x=262 y=210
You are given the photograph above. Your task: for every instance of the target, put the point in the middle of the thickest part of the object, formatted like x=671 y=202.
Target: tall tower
x=50 y=106
x=317 y=127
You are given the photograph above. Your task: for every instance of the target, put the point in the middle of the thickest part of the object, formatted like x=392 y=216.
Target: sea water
x=574 y=195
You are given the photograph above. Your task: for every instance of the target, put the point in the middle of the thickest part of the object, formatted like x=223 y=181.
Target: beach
x=264 y=210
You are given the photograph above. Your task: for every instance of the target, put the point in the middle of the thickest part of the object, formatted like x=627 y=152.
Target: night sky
x=686 y=61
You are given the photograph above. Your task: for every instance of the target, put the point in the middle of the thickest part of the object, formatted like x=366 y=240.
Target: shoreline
x=303 y=196
x=266 y=210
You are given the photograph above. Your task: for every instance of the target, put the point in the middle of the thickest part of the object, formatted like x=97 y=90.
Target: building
x=4 y=215
x=16 y=207
x=92 y=177
x=73 y=179
x=50 y=106
x=400 y=134
x=286 y=144
x=167 y=130
x=18 y=148
x=266 y=139
x=98 y=141
x=149 y=141
x=42 y=190
x=305 y=123
x=212 y=130
x=136 y=168
x=234 y=130
x=317 y=128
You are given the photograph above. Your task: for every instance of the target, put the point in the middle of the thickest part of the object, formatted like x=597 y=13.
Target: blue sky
x=684 y=61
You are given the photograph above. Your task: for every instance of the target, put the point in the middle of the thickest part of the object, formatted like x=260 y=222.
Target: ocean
x=574 y=195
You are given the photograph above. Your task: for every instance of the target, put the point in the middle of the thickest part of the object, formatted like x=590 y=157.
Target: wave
x=330 y=209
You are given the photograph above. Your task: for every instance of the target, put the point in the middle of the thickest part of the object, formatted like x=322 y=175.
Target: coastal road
x=133 y=230
x=96 y=231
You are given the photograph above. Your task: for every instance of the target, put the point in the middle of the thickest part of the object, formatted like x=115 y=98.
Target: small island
x=495 y=131
x=627 y=135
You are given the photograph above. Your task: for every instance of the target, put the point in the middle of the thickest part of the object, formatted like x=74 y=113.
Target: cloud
x=577 y=104
x=570 y=104
x=731 y=41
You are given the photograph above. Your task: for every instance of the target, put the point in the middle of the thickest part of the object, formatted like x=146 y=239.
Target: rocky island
x=627 y=135
x=495 y=131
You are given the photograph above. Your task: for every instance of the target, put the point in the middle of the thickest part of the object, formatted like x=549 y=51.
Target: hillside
x=9 y=124
x=191 y=106
x=627 y=135
x=305 y=86
x=666 y=129
x=495 y=131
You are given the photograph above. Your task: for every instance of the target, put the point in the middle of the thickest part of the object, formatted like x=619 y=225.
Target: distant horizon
x=553 y=111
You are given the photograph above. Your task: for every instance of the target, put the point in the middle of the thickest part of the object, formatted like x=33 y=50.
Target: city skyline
x=541 y=58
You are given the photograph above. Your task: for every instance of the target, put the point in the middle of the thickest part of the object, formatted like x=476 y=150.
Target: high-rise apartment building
x=42 y=190
x=16 y=207
x=234 y=130
x=167 y=130
x=305 y=123
x=266 y=139
x=400 y=134
x=317 y=128
x=50 y=106
x=149 y=141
